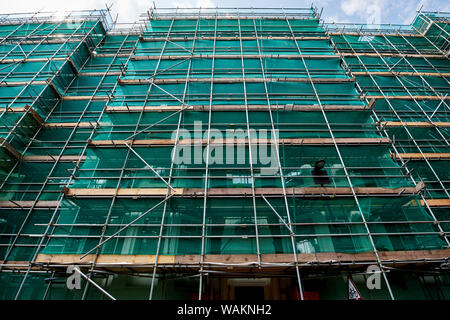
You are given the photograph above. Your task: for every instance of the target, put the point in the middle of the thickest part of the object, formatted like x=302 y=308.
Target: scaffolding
x=96 y=114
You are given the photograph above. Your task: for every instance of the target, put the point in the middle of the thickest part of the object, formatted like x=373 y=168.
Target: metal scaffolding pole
x=113 y=201
x=277 y=152
x=409 y=173
x=107 y=142
x=174 y=149
x=405 y=127
x=70 y=179
x=250 y=150
x=344 y=168
x=29 y=213
x=206 y=177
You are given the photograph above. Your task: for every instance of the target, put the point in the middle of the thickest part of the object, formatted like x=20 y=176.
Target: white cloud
x=368 y=11
x=364 y=11
x=128 y=10
x=193 y=4
x=410 y=11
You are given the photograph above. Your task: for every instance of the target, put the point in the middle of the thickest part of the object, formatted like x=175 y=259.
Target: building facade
x=223 y=154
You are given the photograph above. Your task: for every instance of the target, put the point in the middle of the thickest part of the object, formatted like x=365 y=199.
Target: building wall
x=105 y=130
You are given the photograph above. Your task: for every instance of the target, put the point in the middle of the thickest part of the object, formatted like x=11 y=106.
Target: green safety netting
x=288 y=124
x=427 y=139
x=322 y=225
x=395 y=87
x=263 y=26
x=434 y=26
x=422 y=171
x=266 y=46
x=197 y=93
x=231 y=226
x=383 y=43
x=42 y=29
x=411 y=110
x=397 y=64
x=99 y=169
x=232 y=68
x=87 y=86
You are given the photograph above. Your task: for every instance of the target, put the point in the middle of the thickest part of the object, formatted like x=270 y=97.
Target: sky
x=356 y=11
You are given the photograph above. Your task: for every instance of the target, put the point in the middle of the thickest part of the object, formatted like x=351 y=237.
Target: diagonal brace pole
x=184 y=106
x=126 y=226
x=438 y=106
x=279 y=217
x=151 y=168
x=94 y=284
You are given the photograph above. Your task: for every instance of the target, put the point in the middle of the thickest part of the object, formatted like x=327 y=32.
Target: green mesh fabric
x=82 y=102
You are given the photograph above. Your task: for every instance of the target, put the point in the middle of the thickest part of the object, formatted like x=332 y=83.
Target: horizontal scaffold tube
x=389 y=54
x=62 y=38
x=363 y=33
x=418 y=124
x=420 y=156
x=230 y=107
x=27 y=204
x=234 y=56
x=53 y=158
x=71 y=124
x=400 y=73
x=392 y=97
x=436 y=203
x=242 y=16
x=100 y=74
x=240 y=192
x=83 y=98
x=233 y=80
x=21 y=83
x=244 y=38
x=291 y=141
x=23 y=60
x=240 y=261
